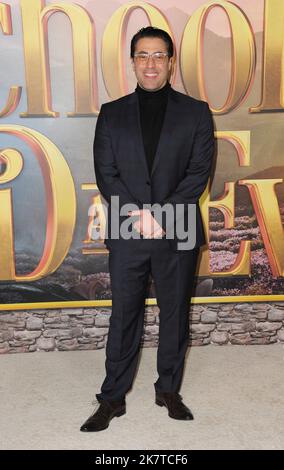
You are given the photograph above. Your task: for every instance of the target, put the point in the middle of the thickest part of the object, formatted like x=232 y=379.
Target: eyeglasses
x=158 y=57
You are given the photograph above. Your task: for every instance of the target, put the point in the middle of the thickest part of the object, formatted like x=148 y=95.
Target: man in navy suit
x=153 y=152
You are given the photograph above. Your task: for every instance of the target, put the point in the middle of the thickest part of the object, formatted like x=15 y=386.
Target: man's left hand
x=146 y=224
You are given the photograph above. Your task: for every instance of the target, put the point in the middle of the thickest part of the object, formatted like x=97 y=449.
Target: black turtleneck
x=152 y=106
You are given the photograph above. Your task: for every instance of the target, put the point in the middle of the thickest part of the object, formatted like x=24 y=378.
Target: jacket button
x=148 y=182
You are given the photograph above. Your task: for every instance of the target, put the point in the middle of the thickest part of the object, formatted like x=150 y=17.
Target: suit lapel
x=134 y=125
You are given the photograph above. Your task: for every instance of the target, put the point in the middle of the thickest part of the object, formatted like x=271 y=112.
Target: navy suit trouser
x=130 y=265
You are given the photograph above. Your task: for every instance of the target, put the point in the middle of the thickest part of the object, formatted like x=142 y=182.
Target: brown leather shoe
x=176 y=408
x=101 y=418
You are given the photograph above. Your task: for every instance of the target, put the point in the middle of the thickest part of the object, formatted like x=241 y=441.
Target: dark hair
x=152 y=32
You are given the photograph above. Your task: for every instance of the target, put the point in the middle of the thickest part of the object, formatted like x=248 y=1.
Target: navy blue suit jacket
x=181 y=166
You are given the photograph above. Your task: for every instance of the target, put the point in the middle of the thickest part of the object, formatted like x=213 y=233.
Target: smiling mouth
x=151 y=75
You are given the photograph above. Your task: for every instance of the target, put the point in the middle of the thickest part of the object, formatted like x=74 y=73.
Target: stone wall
x=75 y=329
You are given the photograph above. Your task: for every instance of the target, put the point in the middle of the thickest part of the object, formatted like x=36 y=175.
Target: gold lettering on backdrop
x=266 y=208
x=60 y=204
x=35 y=20
x=113 y=44
x=96 y=205
x=242 y=60
x=272 y=90
x=13 y=161
x=226 y=204
x=35 y=17
x=15 y=91
x=61 y=212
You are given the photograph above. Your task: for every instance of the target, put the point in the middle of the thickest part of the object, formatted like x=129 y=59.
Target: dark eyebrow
x=145 y=52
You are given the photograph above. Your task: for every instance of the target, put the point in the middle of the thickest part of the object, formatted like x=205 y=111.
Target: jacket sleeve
x=197 y=173
x=107 y=174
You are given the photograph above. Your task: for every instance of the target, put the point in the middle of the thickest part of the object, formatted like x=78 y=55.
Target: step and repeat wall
x=59 y=62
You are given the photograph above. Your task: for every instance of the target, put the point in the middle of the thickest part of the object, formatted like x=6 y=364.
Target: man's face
x=152 y=75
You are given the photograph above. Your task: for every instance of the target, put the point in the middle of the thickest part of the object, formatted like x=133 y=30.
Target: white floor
x=235 y=392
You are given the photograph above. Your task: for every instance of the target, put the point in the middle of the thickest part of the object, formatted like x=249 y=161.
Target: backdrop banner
x=59 y=62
